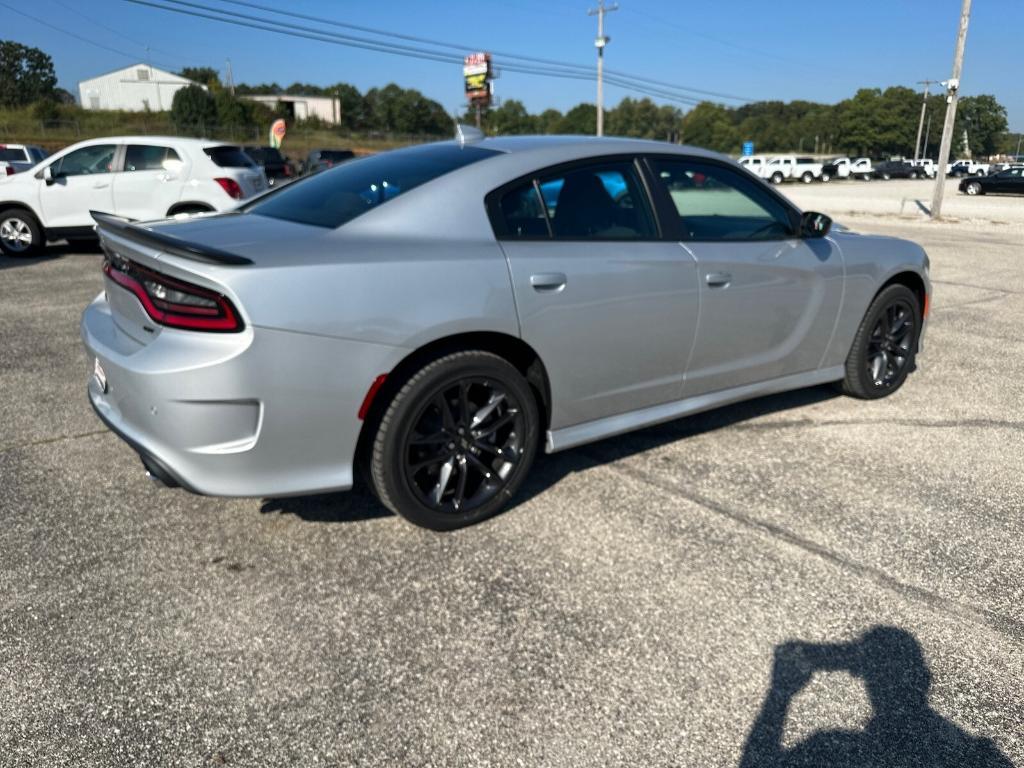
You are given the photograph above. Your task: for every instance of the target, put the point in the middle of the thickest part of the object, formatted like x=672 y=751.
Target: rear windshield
x=229 y=157
x=12 y=155
x=336 y=196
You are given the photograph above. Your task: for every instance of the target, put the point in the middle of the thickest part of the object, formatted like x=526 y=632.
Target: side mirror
x=48 y=176
x=814 y=224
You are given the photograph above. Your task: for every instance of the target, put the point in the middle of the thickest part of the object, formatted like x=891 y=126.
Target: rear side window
x=522 y=211
x=717 y=203
x=229 y=157
x=598 y=202
x=140 y=157
x=336 y=196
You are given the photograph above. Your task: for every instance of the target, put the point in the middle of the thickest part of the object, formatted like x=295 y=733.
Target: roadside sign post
x=748 y=148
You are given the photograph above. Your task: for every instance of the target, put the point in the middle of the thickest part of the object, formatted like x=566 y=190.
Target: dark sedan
x=1009 y=181
x=273 y=163
x=320 y=159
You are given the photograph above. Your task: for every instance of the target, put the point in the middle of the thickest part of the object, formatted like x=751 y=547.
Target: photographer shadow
x=904 y=731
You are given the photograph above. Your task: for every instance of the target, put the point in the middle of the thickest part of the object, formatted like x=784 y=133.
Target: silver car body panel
x=635 y=336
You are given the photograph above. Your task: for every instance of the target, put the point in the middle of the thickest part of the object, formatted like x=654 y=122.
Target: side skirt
x=588 y=432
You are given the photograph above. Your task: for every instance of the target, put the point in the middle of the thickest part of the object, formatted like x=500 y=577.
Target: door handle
x=101 y=185
x=548 y=282
x=718 y=279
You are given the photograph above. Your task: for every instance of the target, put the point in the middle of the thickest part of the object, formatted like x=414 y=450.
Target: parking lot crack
x=1006 y=625
x=48 y=440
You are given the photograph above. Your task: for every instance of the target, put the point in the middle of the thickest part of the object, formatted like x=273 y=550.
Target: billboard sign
x=476 y=73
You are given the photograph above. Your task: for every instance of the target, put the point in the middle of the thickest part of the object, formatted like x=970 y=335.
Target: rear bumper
x=258 y=413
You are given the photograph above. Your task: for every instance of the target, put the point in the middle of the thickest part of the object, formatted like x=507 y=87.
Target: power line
x=55 y=28
x=113 y=31
x=459 y=47
x=294 y=30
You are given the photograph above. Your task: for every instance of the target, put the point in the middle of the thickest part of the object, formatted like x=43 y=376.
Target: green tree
x=710 y=125
x=548 y=121
x=26 y=75
x=984 y=119
x=580 y=120
x=511 y=118
x=644 y=119
x=203 y=75
x=353 y=106
x=193 y=109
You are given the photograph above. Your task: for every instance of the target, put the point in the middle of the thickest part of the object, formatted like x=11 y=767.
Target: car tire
x=885 y=345
x=865 y=177
x=974 y=188
x=433 y=460
x=807 y=177
x=777 y=178
x=886 y=177
x=189 y=210
x=20 y=233
x=826 y=178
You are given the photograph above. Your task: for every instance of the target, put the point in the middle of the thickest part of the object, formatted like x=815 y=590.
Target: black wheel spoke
x=460 y=486
x=502 y=421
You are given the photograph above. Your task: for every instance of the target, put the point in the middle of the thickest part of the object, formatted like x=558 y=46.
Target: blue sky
x=820 y=50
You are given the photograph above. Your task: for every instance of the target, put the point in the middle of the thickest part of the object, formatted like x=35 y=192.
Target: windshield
x=336 y=196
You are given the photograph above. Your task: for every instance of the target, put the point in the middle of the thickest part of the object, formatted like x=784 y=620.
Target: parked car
x=896 y=169
x=926 y=165
x=21 y=157
x=966 y=168
x=275 y=166
x=319 y=159
x=845 y=168
x=425 y=314
x=136 y=177
x=754 y=163
x=1010 y=181
x=783 y=167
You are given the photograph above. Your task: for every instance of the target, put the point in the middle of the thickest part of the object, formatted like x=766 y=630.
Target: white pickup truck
x=845 y=168
x=967 y=168
x=783 y=167
x=754 y=163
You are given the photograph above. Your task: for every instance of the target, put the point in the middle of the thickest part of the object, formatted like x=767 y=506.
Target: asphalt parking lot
x=626 y=612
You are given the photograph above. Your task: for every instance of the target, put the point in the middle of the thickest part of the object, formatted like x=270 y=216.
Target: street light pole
x=952 y=89
x=600 y=44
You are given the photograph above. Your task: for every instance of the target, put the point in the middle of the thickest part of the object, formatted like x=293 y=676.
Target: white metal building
x=299 y=107
x=135 y=89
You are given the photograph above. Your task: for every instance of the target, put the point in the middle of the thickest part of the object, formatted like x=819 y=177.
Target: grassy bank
x=67 y=126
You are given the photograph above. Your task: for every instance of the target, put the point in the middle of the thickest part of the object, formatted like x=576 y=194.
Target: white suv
x=136 y=177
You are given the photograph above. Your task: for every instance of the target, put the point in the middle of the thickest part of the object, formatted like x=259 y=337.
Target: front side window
x=717 y=203
x=337 y=196
x=140 y=157
x=98 y=158
x=598 y=202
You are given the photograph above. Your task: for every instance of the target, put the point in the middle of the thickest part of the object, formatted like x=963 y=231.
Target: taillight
x=172 y=302
x=231 y=187
x=287 y=170
x=9 y=170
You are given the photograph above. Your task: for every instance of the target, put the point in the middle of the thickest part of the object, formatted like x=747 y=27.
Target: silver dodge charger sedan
x=434 y=314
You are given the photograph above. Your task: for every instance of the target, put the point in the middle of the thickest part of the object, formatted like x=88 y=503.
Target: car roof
x=180 y=140
x=586 y=145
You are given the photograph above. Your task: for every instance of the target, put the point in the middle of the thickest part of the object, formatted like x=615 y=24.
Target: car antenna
x=467 y=134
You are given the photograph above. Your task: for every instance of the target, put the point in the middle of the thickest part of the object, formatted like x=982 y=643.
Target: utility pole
x=920 y=124
x=952 y=89
x=927 y=132
x=231 y=78
x=600 y=44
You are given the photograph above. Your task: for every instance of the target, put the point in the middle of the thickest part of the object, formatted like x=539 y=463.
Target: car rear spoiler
x=195 y=251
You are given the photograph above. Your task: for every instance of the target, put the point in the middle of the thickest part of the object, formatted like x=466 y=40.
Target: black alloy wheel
x=456 y=441
x=885 y=345
x=464 y=445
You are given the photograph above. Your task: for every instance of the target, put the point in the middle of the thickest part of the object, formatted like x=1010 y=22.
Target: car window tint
x=338 y=195
x=12 y=155
x=718 y=203
x=138 y=157
x=229 y=157
x=98 y=158
x=523 y=213
x=598 y=202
